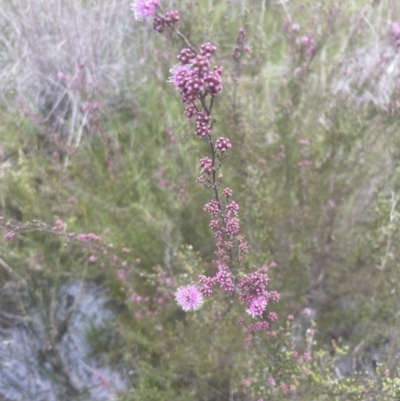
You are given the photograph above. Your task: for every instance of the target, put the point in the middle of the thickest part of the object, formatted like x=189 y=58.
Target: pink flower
x=227 y=192
x=144 y=8
x=9 y=236
x=176 y=71
x=396 y=30
x=305 y=40
x=257 y=307
x=59 y=225
x=295 y=27
x=189 y=298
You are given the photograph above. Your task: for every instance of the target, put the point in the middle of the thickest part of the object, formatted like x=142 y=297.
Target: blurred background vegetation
x=91 y=134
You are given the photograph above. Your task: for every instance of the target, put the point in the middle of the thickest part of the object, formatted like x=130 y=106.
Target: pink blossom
x=224 y=279
x=257 y=326
x=207 y=284
x=395 y=31
x=257 y=307
x=203 y=127
x=9 y=236
x=295 y=27
x=212 y=207
x=223 y=144
x=232 y=208
x=125 y=250
x=272 y=316
x=227 y=192
x=231 y=225
x=178 y=71
x=158 y=24
x=144 y=8
x=92 y=259
x=172 y=16
x=189 y=298
x=59 y=225
x=207 y=49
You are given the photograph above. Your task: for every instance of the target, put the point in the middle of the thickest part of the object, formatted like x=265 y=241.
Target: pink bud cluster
x=147 y=8
x=170 y=19
x=193 y=77
x=203 y=126
x=206 y=165
x=253 y=292
x=223 y=144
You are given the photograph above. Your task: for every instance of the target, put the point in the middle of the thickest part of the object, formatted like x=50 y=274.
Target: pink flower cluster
x=147 y=8
x=206 y=165
x=170 y=18
x=253 y=291
x=193 y=77
x=203 y=126
x=9 y=236
x=223 y=144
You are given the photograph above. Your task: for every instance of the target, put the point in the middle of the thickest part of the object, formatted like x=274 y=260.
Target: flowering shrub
x=199 y=84
x=287 y=155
